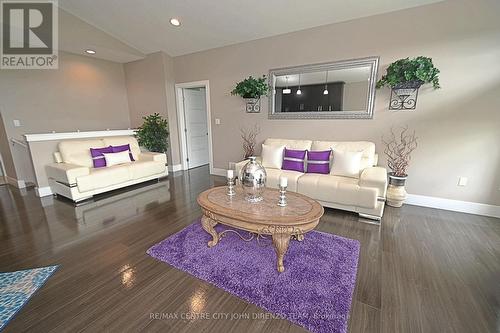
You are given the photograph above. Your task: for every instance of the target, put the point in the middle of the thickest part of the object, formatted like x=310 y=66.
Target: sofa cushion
x=273 y=178
x=140 y=169
x=122 y=157
x=119 y=149
x=342 y=190
x=103 y=177
x=98 y=156
x=78 y=151
x=294 y=160
x=272 y=156
x=318 y=161
x=124 y=140
x=290 y=144
x=368 y=149
x=346 y=163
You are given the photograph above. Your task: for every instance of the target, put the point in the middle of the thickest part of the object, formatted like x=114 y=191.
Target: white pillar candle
x=283 y=182
x=230 y=173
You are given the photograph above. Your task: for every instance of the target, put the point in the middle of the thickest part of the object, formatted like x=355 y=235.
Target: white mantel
x=54 y=136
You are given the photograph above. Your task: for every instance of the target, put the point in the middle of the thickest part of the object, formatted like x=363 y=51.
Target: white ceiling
x=206 y=24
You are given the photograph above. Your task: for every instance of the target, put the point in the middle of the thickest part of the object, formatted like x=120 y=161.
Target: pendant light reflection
x=325 y=92
x=299 y=92
x=287 y=90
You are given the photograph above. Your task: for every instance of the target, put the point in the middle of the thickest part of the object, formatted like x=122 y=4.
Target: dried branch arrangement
x=398 y=149
x=249 y=136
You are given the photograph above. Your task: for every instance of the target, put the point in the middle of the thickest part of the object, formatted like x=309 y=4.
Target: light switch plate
x=217 y=121
x=462 y=181
x=17 y=123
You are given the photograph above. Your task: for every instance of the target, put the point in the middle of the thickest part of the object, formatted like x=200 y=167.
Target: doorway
x=3 y=176
x=193 y=114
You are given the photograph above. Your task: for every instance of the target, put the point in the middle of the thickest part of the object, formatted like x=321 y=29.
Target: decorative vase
x=253 y=105
x=253 y=180
x=396 y=193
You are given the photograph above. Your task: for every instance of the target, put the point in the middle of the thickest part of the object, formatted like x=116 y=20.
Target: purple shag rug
x=315 y=290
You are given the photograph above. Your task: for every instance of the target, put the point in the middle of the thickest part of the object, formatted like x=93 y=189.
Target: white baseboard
x=175 y=167
x=43 y=191
x=219 y=172
x=15 y=182
x=453 y=205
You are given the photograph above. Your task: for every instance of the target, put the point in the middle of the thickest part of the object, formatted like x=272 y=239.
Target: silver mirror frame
x=343 y=64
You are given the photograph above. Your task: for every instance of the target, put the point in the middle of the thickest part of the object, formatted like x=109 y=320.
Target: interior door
x=196 y=126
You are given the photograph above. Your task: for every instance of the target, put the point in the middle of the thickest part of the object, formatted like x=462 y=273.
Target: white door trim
x=181 y=122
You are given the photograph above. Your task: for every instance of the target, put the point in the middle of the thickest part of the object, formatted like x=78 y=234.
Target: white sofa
x=73 y=175
x=364 y=195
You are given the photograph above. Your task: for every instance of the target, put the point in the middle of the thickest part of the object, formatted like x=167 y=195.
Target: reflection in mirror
x=336 y=90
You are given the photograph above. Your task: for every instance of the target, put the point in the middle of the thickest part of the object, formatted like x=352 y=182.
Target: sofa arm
x=65 y=172
x=238 y=166
x=149 y=156
x=375 y=177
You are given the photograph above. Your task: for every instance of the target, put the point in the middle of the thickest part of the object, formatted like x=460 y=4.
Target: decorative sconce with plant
x=404 y=77
x=252 y=89
x=398 y=149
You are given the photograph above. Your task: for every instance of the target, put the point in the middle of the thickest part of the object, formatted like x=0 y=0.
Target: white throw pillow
x=346 y=163
x=272 y=156
x=117 y=158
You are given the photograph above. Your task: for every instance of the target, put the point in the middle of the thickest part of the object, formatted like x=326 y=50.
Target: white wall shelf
x=76 y=135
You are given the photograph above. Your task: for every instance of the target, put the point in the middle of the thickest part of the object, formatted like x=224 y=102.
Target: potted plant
x=404 y=77
x=398 y=149
x=410 y=73
x=153 y=134
x=251 y=89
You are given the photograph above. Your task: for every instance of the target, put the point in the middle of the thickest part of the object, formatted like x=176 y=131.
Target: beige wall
x=145 y=88
x=458 y=125
x=150 y=89
x=83 y=94
x=174 y=147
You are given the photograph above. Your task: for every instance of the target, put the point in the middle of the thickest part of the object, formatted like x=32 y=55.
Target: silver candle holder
x=230 y=186
x=282 y=199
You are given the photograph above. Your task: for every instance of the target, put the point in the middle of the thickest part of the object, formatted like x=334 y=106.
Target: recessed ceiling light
x=175 y=22
x=90 y=51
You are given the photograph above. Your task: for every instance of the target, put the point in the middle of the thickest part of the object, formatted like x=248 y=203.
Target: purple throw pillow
x=293 y=160
x=119 y=149
x=98 y=157
x=318 y=161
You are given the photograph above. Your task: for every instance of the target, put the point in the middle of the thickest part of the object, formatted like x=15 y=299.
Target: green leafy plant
x=153 y=133
x=251 y=87
x=416 y=71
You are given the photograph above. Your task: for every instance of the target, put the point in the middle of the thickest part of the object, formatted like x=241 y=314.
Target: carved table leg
x=208 y=225
x=280 y=242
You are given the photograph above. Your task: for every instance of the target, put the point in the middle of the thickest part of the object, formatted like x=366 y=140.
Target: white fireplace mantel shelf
x=76 y=135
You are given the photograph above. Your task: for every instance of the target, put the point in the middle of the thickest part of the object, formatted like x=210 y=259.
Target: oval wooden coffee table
x=301 y=215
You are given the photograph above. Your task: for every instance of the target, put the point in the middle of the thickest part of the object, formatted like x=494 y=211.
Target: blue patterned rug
x=16 y=288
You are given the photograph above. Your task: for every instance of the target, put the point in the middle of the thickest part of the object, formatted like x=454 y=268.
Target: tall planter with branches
x=249 y=136
x=398 y=149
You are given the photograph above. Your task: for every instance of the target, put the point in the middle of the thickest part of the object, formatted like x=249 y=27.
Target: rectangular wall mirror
x=341 y=90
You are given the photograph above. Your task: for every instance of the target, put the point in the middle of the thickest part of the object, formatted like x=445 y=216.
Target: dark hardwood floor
x=423 y=270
